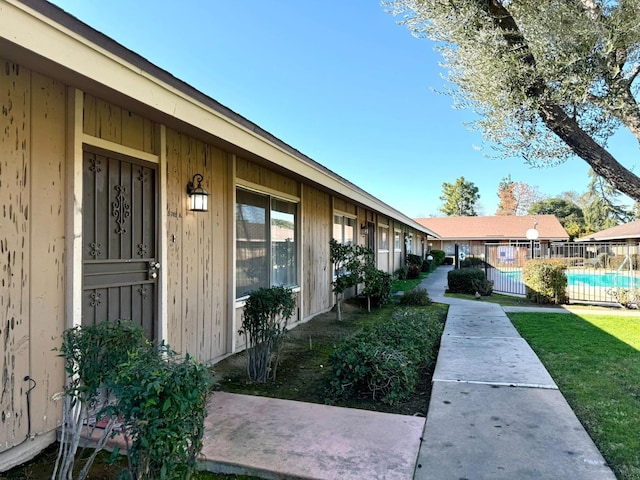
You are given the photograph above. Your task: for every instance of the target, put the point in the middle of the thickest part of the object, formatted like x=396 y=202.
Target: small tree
x=266 y=314
x=347 y=268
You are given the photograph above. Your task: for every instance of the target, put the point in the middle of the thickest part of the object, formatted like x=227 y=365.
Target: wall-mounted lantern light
x=198 y=196
x=363 y=229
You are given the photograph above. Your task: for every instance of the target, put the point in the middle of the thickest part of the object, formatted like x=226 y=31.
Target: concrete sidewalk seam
x=500 y=384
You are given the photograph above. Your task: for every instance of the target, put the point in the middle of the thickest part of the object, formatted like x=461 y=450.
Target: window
x=397 y=246
x=266 y=246
x=344 y=229
x=383 y=238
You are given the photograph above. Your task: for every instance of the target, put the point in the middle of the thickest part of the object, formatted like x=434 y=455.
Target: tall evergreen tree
x=460 y=198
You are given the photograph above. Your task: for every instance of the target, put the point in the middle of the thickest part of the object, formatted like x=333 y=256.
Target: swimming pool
x=608 y=280
x=591 y=279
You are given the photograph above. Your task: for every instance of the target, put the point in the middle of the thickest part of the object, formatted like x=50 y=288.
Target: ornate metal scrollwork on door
x=120 y=209
x=143 y=292
x=95 y=298
x=95 y=249
x=143 y=249
x=142 y=174
x=94 y=165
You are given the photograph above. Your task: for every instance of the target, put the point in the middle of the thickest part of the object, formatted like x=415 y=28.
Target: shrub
x=384 y=361
x=413 y=271
x=545 y=281
x=413 y=259
x=447 y=261
x=438 y=256
x=472 y=262
x=416 y=297
x=264 y=322
x=377 y=286
x=628 y=298
x=160 y=400
x=163 y=401
x=469 y=281
x=427 y=265
x=402 y=273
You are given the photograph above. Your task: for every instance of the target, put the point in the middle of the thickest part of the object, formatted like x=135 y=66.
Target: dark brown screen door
x=119 y=255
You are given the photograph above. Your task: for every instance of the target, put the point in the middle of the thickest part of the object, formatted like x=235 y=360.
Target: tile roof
x=506 y=227
x=629 y=230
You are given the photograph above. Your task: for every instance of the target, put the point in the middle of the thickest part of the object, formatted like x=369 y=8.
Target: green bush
x=163 y=401
x=469 y=281
x=413 y=259
x=413 y=271
x=545 y=281
x=159 y=398
x=402 y=273
x=438 y=256
x=416 y=297
x=264 y=322
x=377 y=286
x=472 y=262
x=384 y=361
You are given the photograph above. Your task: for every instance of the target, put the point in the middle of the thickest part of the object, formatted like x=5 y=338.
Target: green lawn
x=595 y=360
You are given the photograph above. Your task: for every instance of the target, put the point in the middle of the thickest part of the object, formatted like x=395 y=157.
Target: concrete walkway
x=495 y=412
x=277 y=439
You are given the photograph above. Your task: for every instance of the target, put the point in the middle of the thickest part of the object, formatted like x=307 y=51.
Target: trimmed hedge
x=545 y=281
x=384 y=361
x=469 y=281
x=438 y=256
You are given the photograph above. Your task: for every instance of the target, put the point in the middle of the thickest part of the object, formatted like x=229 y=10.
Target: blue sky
x=338 y=80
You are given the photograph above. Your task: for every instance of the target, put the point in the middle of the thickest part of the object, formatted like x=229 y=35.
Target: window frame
x=397 y=240
x=269 y=246
x=344 y=216
x=383 y=247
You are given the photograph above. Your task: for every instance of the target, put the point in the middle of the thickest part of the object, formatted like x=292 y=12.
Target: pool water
x=575 y=279
x=603 y=280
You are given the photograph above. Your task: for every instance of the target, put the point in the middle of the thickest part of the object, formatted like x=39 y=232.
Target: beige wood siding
x=115 y=124
x=32 y=153
x=258 y=175
x=197 y=309
x=344 y=206
x=317 y=228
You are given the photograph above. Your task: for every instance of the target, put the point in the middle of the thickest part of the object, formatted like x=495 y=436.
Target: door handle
x=153 y=269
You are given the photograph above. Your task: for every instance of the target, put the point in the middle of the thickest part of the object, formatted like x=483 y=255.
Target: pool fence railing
x=594 y=269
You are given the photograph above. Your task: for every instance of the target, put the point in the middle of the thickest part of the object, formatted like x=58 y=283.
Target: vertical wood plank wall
x=259 y=175
x=197 y=308
x=48 y=160
x=32 y=160
x=110 y=122
x=317 y=225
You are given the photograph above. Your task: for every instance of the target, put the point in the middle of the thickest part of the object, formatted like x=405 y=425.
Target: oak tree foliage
x=550 y=79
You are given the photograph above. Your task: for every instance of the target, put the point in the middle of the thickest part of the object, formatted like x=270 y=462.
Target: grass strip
x=595 y=361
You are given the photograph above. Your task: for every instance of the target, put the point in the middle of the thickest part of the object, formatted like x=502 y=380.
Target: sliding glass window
x=266 y=242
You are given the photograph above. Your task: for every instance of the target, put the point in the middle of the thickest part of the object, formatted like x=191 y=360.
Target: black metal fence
x=595 y=269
